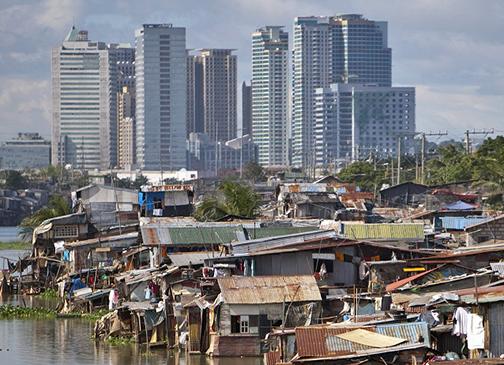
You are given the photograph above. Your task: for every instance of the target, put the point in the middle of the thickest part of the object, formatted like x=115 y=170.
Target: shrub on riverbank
x=15 y=245
x=16 y=312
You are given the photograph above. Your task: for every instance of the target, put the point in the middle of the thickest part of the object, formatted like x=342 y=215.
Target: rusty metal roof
x=322 y=341
x=269 y=289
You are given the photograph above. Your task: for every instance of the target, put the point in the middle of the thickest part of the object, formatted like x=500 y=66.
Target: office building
x=354 y=121
x=125 y=60
x=84 y=85
x=246 y=109
x=214 y=101
x=160 y=72
x=126 y=128
x=26 y=151
x=195 y=115
x=270 y=48
x=339 y=49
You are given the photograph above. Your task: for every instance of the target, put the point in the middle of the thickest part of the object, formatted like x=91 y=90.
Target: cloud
x=451 y=50
x=457 y=108
x=24 y=106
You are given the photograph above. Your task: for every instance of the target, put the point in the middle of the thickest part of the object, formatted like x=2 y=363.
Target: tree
x=56 y=207
x=14 y=180
x=364 y=175
x=253 y=172
x=232 y=198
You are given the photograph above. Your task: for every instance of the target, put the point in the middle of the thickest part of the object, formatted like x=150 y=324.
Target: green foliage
x=56 y=207
x=13 y=180
x=253 y=172
x=119 y=340
x=15 y=246
x=364 y=175
x=16 y=312
x=127 y=183
x=232 y=198
x=96 y=315
x=485 y=167
x=49 y=294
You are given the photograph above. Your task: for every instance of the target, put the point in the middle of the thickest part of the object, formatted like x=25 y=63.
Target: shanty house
x=166 y=200
x=490 y=230
x=308 y=200
x=103 y=203
x=70 y=227
x=337 y=344
x=402 y=194
x=249 y=307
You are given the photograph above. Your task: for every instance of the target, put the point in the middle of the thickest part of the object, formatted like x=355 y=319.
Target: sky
x=452 y=51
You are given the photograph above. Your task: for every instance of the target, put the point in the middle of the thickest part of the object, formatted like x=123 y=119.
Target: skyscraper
x=84 y=86
x=340 y=49
x=215 y=88
x=246 y=109
x=126 y=128
x=160 y=68
x=125 y=59
x=270 y=48
x=195 y=106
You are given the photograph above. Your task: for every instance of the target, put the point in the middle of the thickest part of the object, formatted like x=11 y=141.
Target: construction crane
x=474 y=131
x=423 y=136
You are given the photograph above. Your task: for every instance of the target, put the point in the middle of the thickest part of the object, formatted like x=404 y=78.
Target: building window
x=65 y=231
x=244 y=324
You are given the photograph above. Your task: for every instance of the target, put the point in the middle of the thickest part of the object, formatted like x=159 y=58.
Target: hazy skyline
x=451 y=51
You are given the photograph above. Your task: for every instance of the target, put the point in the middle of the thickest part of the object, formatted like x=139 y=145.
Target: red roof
x=397 y=284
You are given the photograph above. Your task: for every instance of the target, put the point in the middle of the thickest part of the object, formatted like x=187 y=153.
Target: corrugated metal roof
x=184 y=258
x=488 y=220
x=269 y=289
x=383 y=230
x=323 y=341
x=276 y=231
x=155 y=235
x=281 y=241
x=459 y=223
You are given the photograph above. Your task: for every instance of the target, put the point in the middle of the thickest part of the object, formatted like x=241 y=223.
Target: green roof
x=276 y=231
x=205 y=235
x=383 y=231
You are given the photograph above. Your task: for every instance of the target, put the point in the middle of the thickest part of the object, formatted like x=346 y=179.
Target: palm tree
x=56 y=207
x=231 y=199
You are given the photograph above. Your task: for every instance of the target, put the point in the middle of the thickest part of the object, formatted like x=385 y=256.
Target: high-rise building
x=215 y=91
x=26 y=151
x=339 y=49
x=195 y=115
x=270 y=48
x=353 y=121
x=126 y=128
x=160 y=72
x=246 y=109
x=84 y=85
x=125 y=59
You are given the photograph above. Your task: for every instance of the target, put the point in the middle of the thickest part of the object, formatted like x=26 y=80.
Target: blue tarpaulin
x=459 y=205
x=147 y=199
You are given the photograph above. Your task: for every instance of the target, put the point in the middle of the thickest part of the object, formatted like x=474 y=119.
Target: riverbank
x=58 y=340
x=16 y=245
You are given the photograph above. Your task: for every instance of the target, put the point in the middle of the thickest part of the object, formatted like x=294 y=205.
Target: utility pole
x=424 y=140
x=399 y=160
x=474 y=131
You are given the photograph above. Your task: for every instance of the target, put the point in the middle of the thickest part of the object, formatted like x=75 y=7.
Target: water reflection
x=67 y=341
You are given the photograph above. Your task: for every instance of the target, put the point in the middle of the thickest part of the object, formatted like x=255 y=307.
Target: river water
x=9 y=234
x=67 y=341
